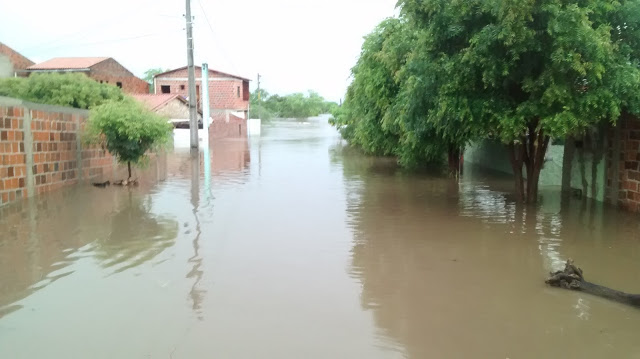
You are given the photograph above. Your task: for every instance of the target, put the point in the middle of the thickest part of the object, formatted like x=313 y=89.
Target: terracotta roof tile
x=211 y=71
x=68 y=63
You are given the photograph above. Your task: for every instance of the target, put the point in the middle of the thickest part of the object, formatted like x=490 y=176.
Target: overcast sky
x=296 y=45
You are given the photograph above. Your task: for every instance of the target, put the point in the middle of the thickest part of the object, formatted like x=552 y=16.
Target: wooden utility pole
x=193 y=109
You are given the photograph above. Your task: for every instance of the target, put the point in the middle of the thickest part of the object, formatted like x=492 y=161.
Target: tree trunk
x=529 y=153
x=454 y=161
x=572 y=278
x=129 y=168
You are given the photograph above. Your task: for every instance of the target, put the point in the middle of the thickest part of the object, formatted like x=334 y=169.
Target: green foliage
x=380 y=112
x=71 y=90
x=295 y=105
x=559 y=67
x=449 y=72
x=127 y=129
x=149 y=74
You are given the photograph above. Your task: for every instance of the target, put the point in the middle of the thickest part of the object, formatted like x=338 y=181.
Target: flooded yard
x=290 y=245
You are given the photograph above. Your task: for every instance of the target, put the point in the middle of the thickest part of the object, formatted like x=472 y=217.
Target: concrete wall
x=6 y=67
x=585 y=171
x=41 y=150
x=11 y=61
x=493 y=155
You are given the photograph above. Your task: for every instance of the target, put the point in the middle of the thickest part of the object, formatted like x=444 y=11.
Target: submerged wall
x=41 y=150
x=581 y=169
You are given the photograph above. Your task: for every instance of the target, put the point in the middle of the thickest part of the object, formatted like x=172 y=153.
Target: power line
x=224 y=52
x=124 y=39
x=87 y=29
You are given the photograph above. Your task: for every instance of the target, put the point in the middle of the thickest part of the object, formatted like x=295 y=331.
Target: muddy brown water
x=292 y=246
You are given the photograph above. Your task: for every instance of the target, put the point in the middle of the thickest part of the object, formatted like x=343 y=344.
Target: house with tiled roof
x=101 y=69
x=12 y=62
x=228 y=94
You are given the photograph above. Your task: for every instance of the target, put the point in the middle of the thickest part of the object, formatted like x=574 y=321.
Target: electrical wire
x=221 y=46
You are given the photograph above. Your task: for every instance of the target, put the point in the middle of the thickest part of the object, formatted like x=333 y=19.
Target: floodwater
x=290 y=245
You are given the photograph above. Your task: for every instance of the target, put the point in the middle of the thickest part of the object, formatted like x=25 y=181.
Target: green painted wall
x=492 y=155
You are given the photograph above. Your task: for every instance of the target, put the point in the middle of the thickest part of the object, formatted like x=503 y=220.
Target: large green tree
x=526 y=71
x=386 y=107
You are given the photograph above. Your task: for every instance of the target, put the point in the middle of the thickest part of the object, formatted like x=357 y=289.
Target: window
x=165 y=89
x=181 y=87
x=101 y=81
x=245 y=90
x=238 y=91
x=119 y=84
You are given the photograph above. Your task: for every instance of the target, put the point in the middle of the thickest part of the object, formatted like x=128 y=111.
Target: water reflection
x=443 y=263
x=45 y=237
x=196 y=272
x=136 y=235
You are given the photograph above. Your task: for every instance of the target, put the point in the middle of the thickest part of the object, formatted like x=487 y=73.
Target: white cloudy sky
x=296 y=45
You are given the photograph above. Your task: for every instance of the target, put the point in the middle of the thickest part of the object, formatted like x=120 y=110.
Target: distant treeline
x=297 y=105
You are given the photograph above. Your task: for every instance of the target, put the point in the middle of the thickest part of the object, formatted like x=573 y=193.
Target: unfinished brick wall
x=13 y=165
x=41 y=150
x=225 y=125
x=627 y=163
x=110 y=71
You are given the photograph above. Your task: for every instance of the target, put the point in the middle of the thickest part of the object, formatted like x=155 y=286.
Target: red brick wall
x=13 y=168
x=227 y=126
x=19 y=62
x=628 y=164
x=223 y=89
x=112 y=72
x=53 y=155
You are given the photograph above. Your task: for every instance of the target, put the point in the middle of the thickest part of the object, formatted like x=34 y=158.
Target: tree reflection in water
x=136 y=235
x=444 y=263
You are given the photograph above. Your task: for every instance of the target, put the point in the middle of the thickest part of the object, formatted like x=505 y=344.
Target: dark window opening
x=101 y=81
x=181 y=87
x=119 y=84
x=238 y=91
x=165 y=89
x=245 y=90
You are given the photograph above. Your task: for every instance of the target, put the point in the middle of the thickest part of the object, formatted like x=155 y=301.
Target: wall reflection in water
x=113 y=226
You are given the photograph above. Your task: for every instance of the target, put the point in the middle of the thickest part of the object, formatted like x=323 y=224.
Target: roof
x=19 y=62
x=155 y=101
x=68 y=63
x=210 y=70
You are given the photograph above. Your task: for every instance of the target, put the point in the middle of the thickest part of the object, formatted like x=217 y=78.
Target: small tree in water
x=127 y=130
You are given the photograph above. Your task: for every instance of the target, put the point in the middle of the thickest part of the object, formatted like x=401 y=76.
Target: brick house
x=11 y=62
x=228 y=94
x=102 y=69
